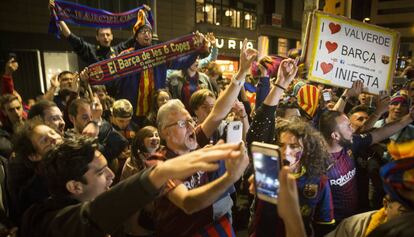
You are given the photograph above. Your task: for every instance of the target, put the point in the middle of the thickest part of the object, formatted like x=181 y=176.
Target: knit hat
x=400 y=98
x=122 y=109
x=271 y=63
x=398 y=175
x=142 y=20
x=308 y=98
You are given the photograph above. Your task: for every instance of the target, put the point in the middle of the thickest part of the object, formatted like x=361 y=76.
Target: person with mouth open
x=305 y=152
x=82 y=201
x=197 y=205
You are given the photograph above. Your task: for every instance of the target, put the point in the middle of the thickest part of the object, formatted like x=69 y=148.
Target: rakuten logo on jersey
x=341 y=181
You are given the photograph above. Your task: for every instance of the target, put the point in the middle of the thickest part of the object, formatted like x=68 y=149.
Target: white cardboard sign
x=341 y=50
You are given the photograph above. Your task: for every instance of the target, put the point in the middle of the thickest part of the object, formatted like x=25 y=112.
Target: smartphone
x=234 y=132
x=267 y=164
x=327 y=96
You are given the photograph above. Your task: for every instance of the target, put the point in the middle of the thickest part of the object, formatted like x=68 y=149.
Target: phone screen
x=327 y=96
x=266 y=174
x=234 y=132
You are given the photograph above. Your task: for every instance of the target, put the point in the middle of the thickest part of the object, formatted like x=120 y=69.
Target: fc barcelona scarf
x=221 y=228
x=142 y=59
x=86 y=16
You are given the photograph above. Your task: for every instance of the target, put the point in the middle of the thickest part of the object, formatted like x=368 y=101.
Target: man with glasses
x=139 y=88
x=198 y=204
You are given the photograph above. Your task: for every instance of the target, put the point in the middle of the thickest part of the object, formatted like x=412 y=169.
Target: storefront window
x=250 y=20
x=230 y=18
x=199 y=11
x=282 y=47
x=221 y=13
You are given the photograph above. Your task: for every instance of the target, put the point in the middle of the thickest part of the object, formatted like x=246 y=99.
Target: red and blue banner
x=74 y=13
x=136 y=61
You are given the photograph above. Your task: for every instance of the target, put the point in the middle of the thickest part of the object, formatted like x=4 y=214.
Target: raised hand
x=288 y=204
x=287 y=72
x=263 y=70
x=54 y=82
x=247 y=56
x=382 y=102
x=211 y=39
x=355 y=90
x=200 y=160
x=146 y=7
x=200 y=38
x=11 y=66
x=236 y=167
x=238 y=109
x=51 y=4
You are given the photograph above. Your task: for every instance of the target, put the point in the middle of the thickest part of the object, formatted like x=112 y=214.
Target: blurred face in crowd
x=53 y=118
x=14 y=111
x=204 y=109
x=44 y=138
x=101 y=94
x=104 y=37
x=152 y=143
x=393 y=208
x=144 y=36
x=194 y=66
x=364 y=99
x=179 y=132
x=343 y=132
x=396 y=110
x=358 y=119
x=291 y=112
x=163 y=97
x=83 y=116
x=67 y=81
x=97 y=109
x=291 y=150
x=120 y=122
x=99 y=178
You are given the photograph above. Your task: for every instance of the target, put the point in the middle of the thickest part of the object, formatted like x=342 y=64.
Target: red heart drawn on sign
x=334 y=27
x=331 y=46
x=326 y=67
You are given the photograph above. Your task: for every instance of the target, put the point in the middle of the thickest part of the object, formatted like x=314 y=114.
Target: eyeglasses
x=145 y=31
x=183 y=123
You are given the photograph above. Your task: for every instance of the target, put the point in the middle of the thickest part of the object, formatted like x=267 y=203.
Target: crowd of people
x=146 y=154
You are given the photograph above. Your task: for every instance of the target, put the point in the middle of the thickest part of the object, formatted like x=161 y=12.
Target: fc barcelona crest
x=96 y=73
x=310 y=190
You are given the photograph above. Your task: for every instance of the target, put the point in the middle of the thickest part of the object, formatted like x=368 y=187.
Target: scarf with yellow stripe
x=145 y=91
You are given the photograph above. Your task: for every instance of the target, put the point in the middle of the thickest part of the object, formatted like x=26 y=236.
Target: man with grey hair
x=197 y=204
